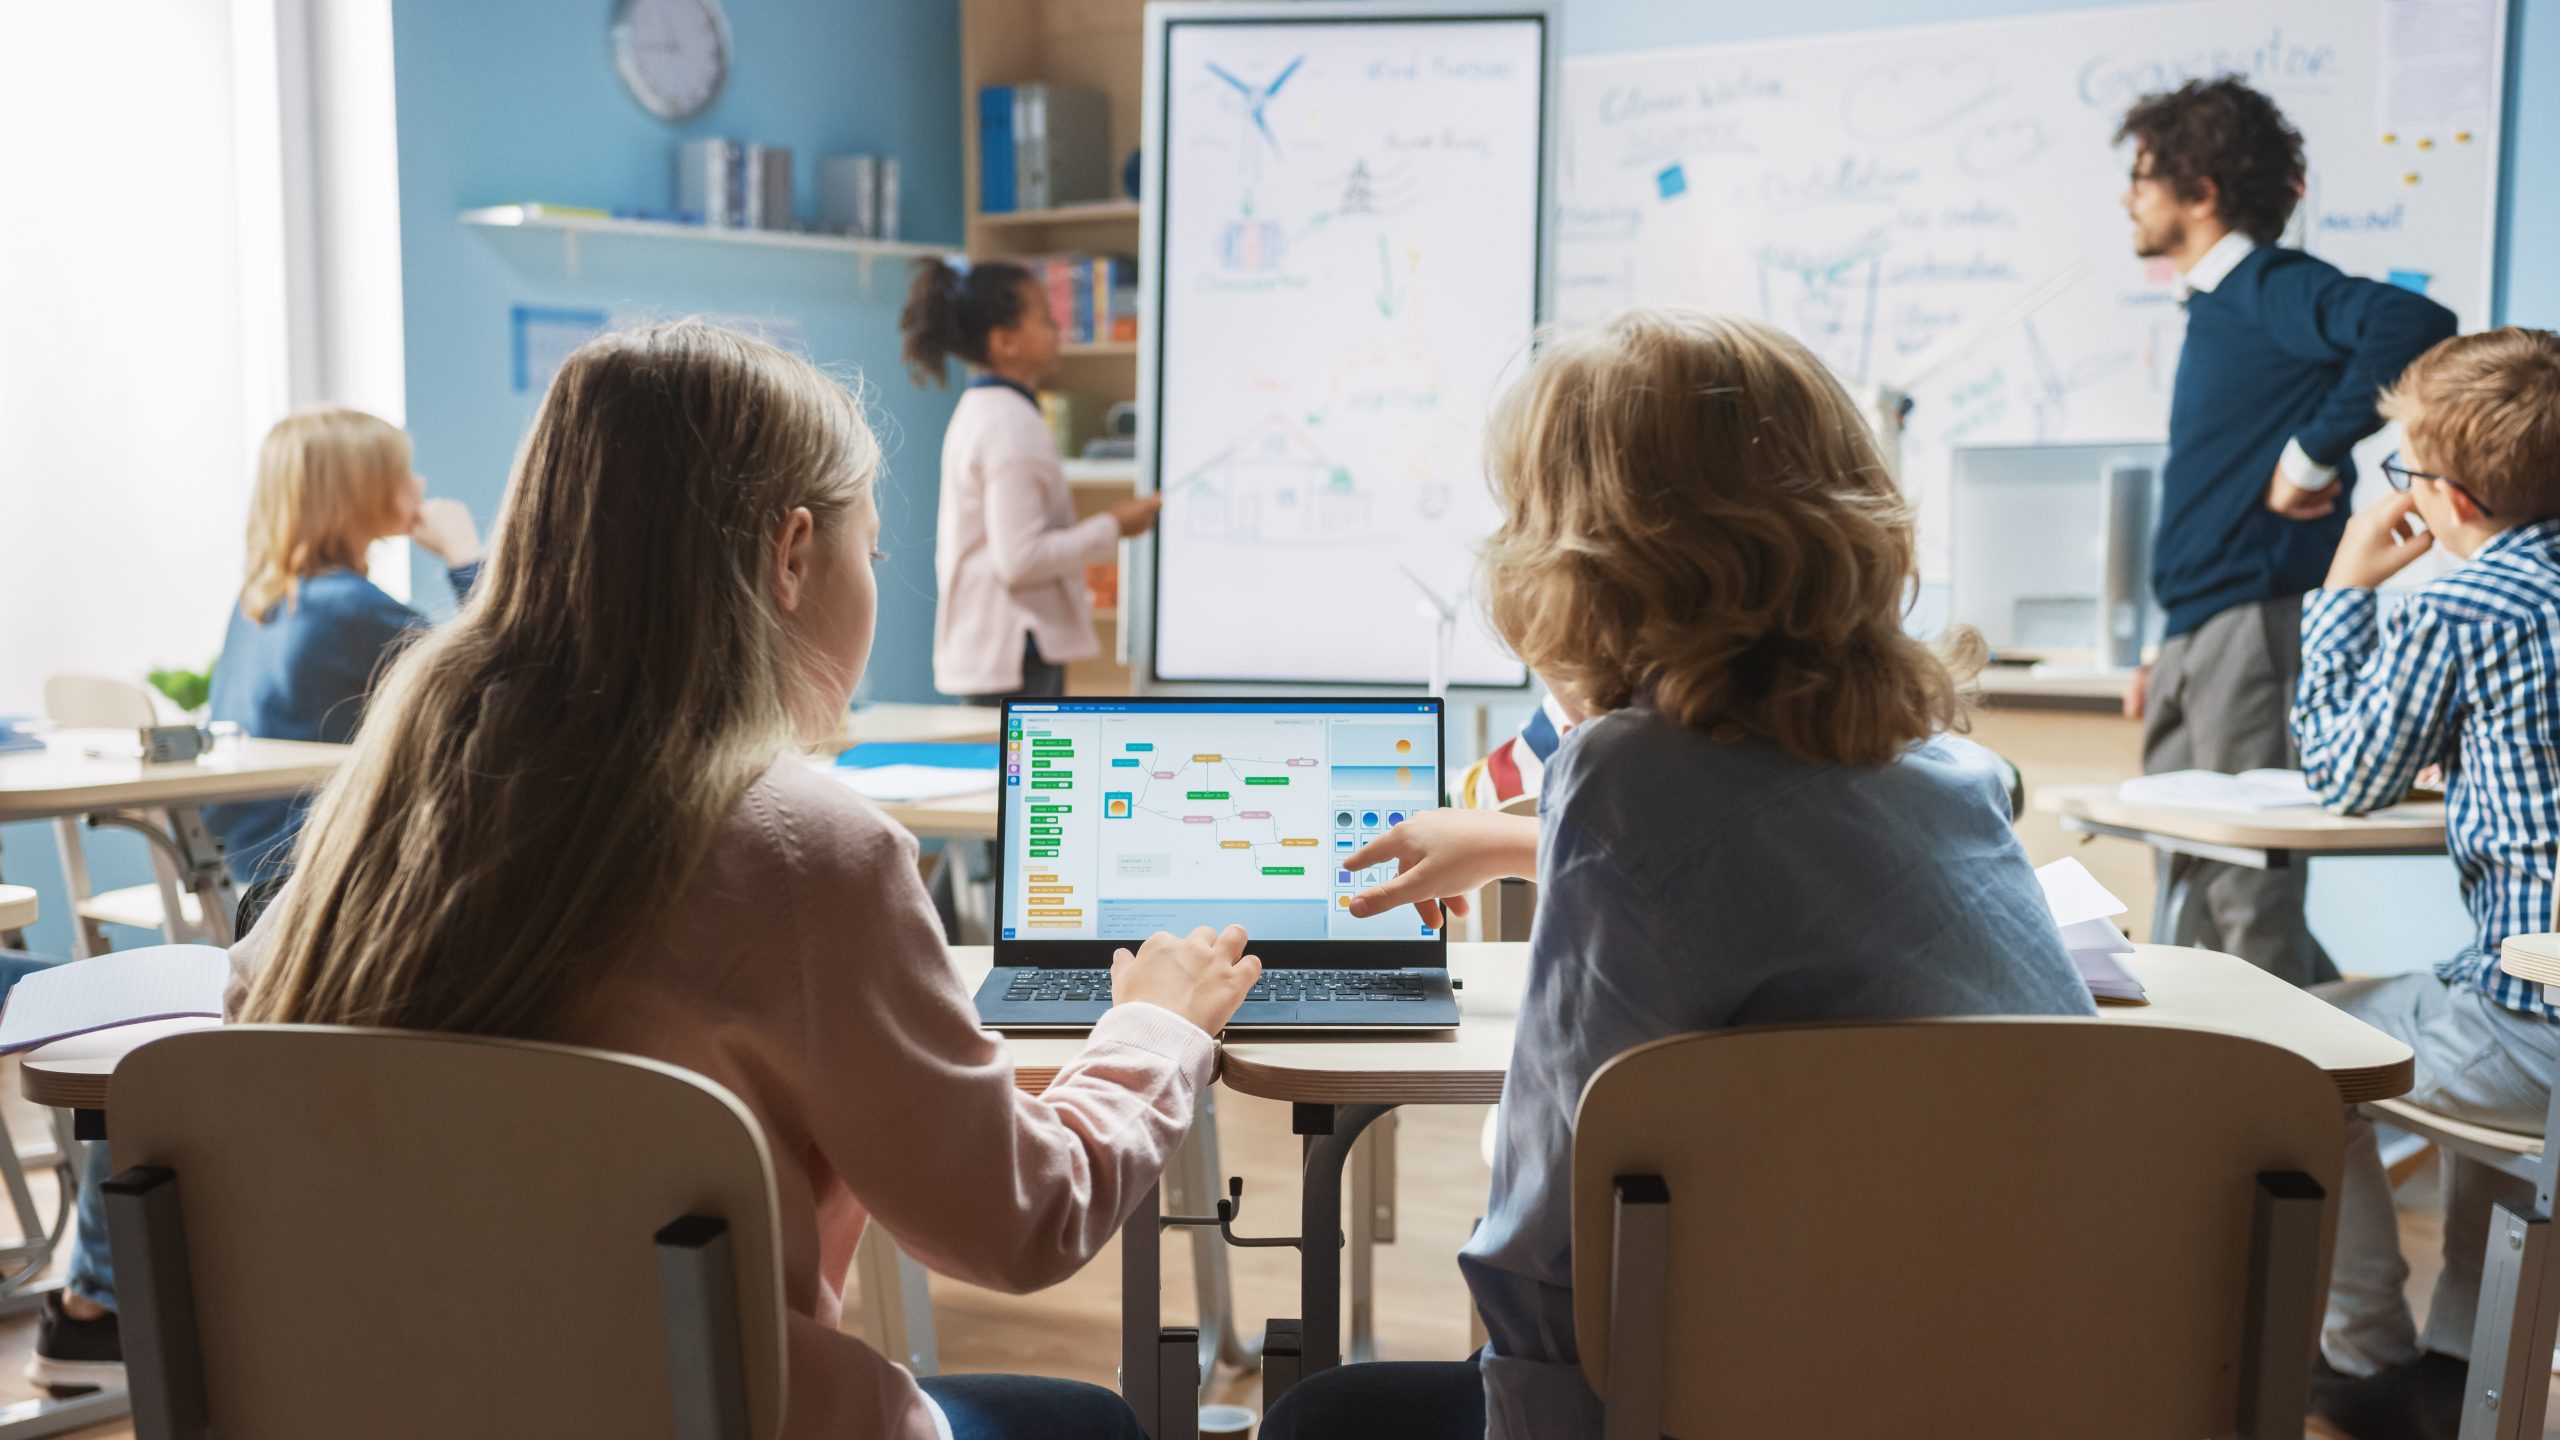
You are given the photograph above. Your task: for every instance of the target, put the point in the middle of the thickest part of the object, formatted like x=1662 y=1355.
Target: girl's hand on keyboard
x=1201 y=977
x=1441 y=858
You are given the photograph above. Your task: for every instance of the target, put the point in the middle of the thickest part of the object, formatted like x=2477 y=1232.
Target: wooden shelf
x=575 y=229
x=1090 y=212
x=1099 y=350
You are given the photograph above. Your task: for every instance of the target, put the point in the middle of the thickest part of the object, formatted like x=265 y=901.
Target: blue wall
x=501 y=101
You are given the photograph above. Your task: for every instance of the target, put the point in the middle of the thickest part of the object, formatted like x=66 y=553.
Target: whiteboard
x=1345 y=234
x=1872 y=192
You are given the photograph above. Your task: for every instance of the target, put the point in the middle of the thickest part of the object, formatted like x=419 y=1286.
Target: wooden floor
x=1073 y=1329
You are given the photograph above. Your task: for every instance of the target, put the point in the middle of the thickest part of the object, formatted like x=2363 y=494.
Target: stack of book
x=1094 y=298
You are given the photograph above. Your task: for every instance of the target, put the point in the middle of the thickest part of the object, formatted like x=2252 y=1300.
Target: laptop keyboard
x=1293 y=986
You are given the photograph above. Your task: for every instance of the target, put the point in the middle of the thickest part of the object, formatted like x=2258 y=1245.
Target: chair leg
x=2282 y=1328
x=698 y=1290
x=1373 y=1223
x=1639 y=1301
x=897 y=1302
x=156 y=1305
x=2511 y=1338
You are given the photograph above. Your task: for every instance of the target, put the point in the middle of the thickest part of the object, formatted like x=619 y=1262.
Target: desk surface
x=2201 y=989
x=17 y=907
x=2416 y=825
x=2533 y=957
x=66 y=780
x=894 y=722
x=2026 y=685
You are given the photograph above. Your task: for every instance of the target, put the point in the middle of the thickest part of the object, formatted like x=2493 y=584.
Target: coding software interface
x=1122 y=818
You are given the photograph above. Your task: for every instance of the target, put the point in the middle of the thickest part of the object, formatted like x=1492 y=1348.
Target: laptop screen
x=1123 y=817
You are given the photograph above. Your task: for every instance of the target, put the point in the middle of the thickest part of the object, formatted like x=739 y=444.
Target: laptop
x=1123 y=817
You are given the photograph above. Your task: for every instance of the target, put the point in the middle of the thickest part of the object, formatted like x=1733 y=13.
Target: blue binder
x=996 y=150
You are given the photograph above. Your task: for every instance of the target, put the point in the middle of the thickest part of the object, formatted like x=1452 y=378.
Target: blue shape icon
x=2411 y=280
x=1395 y=817
x=1258 y=96
x=1672 y=181
x=1369 y=818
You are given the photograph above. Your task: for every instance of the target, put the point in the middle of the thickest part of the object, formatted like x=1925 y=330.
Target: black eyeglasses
x=2400 y=475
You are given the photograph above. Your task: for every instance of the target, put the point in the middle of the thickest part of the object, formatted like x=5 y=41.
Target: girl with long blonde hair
x=311 y=631
x=1759 y=817
x=581 y=813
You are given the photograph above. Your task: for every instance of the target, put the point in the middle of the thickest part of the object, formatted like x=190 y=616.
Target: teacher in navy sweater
x=2284 y=359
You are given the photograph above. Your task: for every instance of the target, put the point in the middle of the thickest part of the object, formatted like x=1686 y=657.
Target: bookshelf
x=1101 y=45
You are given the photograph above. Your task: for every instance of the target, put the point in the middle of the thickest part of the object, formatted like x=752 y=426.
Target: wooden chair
x=1954 y=1228
x=99 y=702
x=324 y=1232
x=2519 y=1317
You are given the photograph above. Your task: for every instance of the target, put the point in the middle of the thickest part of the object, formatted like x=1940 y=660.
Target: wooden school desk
x=1338 y=1085
x=2258 y=839
x=17 y=910
x=64 y=779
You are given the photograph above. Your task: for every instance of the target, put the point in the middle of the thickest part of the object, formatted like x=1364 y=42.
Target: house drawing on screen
x=1274 y=487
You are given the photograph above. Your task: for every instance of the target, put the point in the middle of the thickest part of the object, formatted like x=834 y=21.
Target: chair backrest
x=402 y=1235
x=1956 y=1228
x=99 y=702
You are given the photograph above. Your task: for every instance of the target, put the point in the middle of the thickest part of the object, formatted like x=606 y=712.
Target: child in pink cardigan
x=770 y=934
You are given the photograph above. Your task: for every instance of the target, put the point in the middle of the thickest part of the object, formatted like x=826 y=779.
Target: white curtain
x=141 y=328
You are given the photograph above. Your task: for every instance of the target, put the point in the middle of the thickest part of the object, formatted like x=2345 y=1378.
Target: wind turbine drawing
x=1256 y=99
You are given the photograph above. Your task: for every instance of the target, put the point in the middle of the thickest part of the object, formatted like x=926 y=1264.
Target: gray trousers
x=2477 y=1061
x=2220 y=697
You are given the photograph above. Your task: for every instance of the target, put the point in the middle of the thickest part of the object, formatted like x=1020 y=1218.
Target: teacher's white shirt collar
x=2220 y=261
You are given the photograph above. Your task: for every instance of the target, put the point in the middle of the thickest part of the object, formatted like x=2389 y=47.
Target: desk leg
x=1330 y=1131
x=1142 y=1311
x=2168 y=897
x=203 y=872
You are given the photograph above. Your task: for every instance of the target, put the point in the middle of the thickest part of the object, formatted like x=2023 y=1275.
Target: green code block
x=1053 y=784
x=1053 y=744
x=1039 y=764
x=1266 y=779
x=1206 y=795
x=1051 y=809
x=1044 y=854
x=1284 y=869
x=1047 y=830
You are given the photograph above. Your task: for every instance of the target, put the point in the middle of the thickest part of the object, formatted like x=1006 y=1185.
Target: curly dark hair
x=2224 y=132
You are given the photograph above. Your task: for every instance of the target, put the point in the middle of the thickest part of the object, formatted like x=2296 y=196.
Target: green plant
x=186 y=689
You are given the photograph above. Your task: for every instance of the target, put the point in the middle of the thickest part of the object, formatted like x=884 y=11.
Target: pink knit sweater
x=805 y=971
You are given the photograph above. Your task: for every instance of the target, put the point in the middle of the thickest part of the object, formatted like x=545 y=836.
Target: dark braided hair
x=952 y=309
x=2225 y=132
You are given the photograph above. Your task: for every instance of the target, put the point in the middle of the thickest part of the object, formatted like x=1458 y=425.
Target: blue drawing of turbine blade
x=1222 y=73
x=1273 y=89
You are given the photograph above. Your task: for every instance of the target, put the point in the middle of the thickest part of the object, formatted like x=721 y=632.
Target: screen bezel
x=1162 y=21
x=1095 y=954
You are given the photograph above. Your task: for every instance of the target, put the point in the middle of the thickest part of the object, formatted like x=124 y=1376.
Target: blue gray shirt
x=1691 y=884
x=303 y=675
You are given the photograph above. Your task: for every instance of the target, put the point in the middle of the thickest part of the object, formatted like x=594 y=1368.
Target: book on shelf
x=1093 y=298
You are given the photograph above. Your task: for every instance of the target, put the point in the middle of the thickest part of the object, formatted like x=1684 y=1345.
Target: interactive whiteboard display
x=1874 y=194
x=1346 y=232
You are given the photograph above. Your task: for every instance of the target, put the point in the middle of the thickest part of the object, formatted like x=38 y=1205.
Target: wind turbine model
x=1891 y=400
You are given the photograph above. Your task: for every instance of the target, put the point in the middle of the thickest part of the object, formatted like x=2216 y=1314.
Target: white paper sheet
x=2436 y=74
x=916 y=782
x=2213 y=790
x=2074 y=894
x=101 y=993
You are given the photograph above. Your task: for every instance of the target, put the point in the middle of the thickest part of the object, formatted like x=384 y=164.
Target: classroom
x=1307 y=719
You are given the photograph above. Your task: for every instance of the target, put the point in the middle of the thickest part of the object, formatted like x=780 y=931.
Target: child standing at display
x=1009 y=570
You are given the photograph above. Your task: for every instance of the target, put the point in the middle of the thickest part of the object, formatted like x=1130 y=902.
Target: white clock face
x=673 y=54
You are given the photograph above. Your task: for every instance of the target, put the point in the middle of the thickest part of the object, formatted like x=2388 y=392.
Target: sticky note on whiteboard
x=1672 y=181
x=2411 y=280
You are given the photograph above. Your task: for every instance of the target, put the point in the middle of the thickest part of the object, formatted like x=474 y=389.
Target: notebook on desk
x=162 y=982
x=1123 y=817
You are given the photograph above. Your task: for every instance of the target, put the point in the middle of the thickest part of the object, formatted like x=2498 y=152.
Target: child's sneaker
x=74 y=1357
